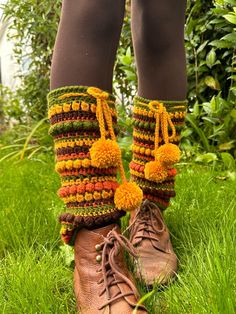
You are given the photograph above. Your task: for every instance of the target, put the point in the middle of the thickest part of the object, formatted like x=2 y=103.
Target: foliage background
x=210 y=37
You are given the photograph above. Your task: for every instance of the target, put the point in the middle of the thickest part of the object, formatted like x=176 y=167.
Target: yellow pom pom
x=105 y=154
x=128 y=196
x=168 y=154
x=155 y=171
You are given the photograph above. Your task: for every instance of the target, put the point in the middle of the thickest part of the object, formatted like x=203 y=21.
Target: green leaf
x=126 y=60
x=221 y=44
x=228 y=160
x=212 y=83
x=232 y=2
x=211 y=58
x=206 y=158
x=226 y=146
x=230 y=37
x=68 y=254
x=231 y=18
x=233 y=114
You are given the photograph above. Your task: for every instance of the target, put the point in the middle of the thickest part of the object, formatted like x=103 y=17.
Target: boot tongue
x=151 y=231
x=88 y=241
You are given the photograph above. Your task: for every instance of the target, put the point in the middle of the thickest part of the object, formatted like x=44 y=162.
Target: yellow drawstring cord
x=163 y=120
x=167 y=154
x=106 y=153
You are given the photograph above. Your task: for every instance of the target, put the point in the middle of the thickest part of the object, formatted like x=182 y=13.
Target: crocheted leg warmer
x=87 y=159
x=156 y=135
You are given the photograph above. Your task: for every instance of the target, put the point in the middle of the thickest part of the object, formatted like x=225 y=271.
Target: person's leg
x=83 y=120
x=158 y=38
x=159 y=110
x=86 y=43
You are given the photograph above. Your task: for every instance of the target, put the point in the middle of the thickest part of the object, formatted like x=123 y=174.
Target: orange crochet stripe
x=89 y=187
x=88 y=196
x=88 y=180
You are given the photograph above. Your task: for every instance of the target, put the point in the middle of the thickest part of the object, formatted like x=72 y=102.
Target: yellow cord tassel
x=128 y=195
x=166 y=155
x=106 y=153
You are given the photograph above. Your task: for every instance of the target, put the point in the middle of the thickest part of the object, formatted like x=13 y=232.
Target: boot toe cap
x=159 y=272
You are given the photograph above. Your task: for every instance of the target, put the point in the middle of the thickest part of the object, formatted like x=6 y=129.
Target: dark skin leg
x=158 y=38
x=86 y=43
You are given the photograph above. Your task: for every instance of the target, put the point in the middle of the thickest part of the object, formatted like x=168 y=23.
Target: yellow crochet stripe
x=137 y=174
x=96 y=212
x=72 y=94
x=151 y=114
x=72 y=164
x=75 y=106
x=141 y=175
x=88 y=196
x=139 y=162
x=143 y=150
x=73 y=143
x=145 y=136
x=88 y=180
x=68 y=95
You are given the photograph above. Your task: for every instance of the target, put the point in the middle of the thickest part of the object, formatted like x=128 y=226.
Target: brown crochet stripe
x=92 y=203
x=89 y=171
x=165 y=194
x=149 y=143
x=164 y=185
x=79 y=134
x=75 y=116
x=72 y=150
x=153 y=120
x=89 y=221
x=161 y=203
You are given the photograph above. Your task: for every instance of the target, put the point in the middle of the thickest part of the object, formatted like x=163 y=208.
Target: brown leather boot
x=157 y=261
x=102 y=283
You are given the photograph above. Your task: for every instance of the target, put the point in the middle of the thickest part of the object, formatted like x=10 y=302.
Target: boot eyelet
x=98 y=247
x=98 y=258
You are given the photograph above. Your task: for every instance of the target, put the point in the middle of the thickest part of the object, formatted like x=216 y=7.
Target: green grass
x=35 y=276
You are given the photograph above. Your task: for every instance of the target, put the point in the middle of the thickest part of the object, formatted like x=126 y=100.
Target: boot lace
x=147 y=223
x=111 y=273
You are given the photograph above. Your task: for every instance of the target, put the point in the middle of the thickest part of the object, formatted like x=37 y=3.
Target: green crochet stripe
x=152 y=185
x=74 y=126
x=75 y=138
x=168 y=103
x=52 y=96
x=93 y=211
x=81 y=177
x=151 y=126
x=170 y=108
